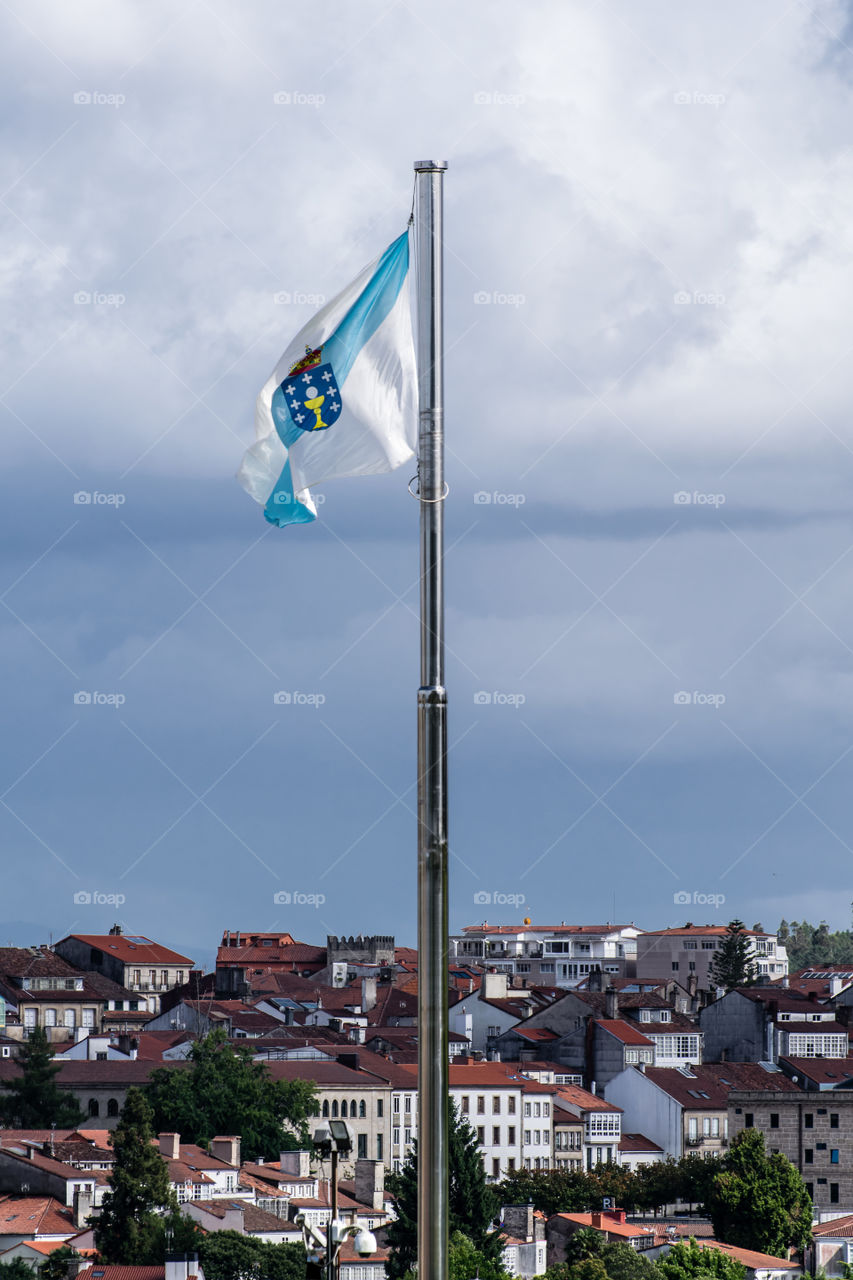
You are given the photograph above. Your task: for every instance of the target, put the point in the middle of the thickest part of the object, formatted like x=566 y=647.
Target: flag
x=342 y=400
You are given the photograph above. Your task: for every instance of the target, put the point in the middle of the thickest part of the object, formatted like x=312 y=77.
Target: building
x=613 y=1224
x=815 y=1132
x=766 y=1023
x=524 y=1245
x=551 y=955
x=690 y=950
x=831 y=1251
x=136 y=963
x=636 y=1149
x=686 y=1110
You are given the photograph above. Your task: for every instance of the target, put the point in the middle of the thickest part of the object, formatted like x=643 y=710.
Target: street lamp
x=336 y=1139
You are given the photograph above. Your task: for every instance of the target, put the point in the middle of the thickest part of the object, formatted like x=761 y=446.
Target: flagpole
x=432 y=737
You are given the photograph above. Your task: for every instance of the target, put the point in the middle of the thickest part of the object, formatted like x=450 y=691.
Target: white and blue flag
x=342 y=400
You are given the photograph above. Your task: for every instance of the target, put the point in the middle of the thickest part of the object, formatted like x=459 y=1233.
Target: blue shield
x=313 y=398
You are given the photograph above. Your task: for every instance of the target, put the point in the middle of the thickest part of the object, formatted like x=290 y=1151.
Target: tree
x=758 y=1201
x=471 y=1201
x=225 y=1091
x=690 y=1261
x=129 y=1229
x=584 y=1243
x=465 y=1261
x=17 y=1269
x=227 y=1255
x=33 y=1099
x=732 y=966
x=621 y=1262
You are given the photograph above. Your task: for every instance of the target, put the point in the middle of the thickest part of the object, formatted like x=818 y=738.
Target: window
x=692 y=1127
x=94 y=1107
x=510 y=1136
x=164 y=977
x=689 y=946
x=810 y=1190
x=496 y=1105
x=833 y=1193
x=396 y=1107
x=152 y=977
x=407 y=1103
x=112 y=1107
x=546 y=968
x=537 y=1109
x=379 y=1146
x=709 y=946
x=362 y=1110
x=748 y=1120
x=527 y=1137
x=496 y=1135
x=70 y=1018
x=546 y=1109
x=352 y=1107
x=808 y=1155
x=675 y=966
x=137 y=977
x=481 y=1105
x=808 y=1120
x=326 y=1107
x=833 y=1120
x=833 y=1156
x=466 y=1104
x=344 y=1109
x=522 y=968
x=335 y=1107
x=407 y=1137
x=692 y=966
x=380 y=1107
x=774 y=1119
x=362 y=1146
x=527 y=1108
x=179 y=977
x=510 y=1105
x=481 y=1135
x=50 y=1017
x=493 y=1031
x=395 y=1137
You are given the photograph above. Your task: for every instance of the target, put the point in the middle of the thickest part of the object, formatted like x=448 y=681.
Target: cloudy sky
x=650 y=564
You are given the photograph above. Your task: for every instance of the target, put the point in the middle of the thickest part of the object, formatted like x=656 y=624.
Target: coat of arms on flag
x=311 y=392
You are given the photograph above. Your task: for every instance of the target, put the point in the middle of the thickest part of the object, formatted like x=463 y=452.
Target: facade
x=549 y=955
x=689 y=952
x=754 y=1024
x=815 y=1132
x=686 y=1110
x=136 y=963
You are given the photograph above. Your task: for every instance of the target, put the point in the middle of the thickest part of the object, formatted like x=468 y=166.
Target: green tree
x=33 y=1100
x=732 y=966
x=226 y=1255
x=759 y=1201
x=689 y=1261
x=465 y=1261
x=586 y=1242
x=17 y=1269
x=56 y=1266
x=225 y=1091
x=552 y=1190
x=129 y=1229
x=621 y=1262
x=473 y=1204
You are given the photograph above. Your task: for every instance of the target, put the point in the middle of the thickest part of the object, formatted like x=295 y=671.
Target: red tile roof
x=114 y=1272
x=716 y=1080
x=34 y=1216
x=749 y=1258
x=133 y=949
x=840 y=1228
x=637 y=1142
x=623 y=1031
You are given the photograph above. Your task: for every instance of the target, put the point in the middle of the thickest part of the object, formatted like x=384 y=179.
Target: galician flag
x=342 y=400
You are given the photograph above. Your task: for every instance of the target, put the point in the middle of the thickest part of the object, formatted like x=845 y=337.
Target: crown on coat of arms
x=309 y=361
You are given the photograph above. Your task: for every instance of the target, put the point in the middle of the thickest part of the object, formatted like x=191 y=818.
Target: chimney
x=226 y=1149
x=368 y=994
x=596 y=1219
x=350 y=1060
x=295 y=1163
x=611 y=1003
x=82 y=1208
x=170 y=1145
x=116 y=931
x=370 y=1184
x=493 y=986
x=517 y=1220
x=593 y=982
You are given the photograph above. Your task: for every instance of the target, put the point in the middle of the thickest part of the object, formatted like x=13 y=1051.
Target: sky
x=649 y=561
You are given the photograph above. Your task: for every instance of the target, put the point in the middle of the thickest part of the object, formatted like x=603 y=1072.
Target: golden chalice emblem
x=314 y=401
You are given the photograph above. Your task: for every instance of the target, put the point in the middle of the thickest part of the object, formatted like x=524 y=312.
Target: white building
x=549 y=955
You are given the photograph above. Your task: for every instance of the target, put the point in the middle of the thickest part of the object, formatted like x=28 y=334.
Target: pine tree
x=130 y=1228
x=472 y=1203
x=732 y=966
x=34 y=1100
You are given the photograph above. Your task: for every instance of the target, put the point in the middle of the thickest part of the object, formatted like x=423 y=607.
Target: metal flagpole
x=432 y=738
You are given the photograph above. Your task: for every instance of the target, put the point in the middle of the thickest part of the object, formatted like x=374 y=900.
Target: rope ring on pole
x=431 y=500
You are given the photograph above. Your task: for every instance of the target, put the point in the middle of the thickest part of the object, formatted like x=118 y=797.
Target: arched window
x=112 y=1107
x=344 y=1108
x=352 y=1108
x=335 y=1108
x=362 y=1109
x=326 y=1108
x=94 y=1107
